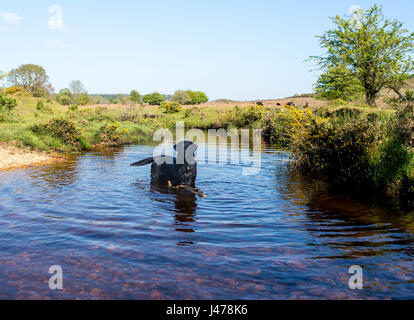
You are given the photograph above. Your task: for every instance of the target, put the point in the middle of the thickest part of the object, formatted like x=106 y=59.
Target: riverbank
x=12 y=157
x=348 y=144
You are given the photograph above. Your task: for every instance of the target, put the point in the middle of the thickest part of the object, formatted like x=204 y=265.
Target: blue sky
x=240 y=49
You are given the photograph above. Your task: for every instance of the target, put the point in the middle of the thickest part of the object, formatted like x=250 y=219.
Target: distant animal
x=260 y=103
x=167 y=169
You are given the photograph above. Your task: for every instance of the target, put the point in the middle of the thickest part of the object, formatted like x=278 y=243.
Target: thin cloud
x=4 y=29
x=10 y=17
x=56 y=20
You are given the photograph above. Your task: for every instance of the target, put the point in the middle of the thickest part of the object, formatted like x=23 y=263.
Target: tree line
x=34 y=80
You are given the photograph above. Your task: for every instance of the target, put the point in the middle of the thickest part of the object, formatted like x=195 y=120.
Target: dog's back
x=178 y=174
x=167 y=168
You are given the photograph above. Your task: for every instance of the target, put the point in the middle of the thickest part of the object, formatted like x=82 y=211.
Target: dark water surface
x=269 y=236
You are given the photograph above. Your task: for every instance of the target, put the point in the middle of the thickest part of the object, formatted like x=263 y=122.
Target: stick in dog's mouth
x=187 y=188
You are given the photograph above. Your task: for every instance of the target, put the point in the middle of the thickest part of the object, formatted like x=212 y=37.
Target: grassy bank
x=351 y=145
x=46 y=125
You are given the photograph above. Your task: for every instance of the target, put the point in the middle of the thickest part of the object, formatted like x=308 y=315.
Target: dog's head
x=187 y=150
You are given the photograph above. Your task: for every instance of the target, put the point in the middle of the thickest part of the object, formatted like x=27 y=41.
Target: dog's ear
x=185 y=145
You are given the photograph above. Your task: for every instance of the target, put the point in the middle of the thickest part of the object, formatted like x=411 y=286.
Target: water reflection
x=185 y=205
x=352 y=229
x=61 y=174
x=274 y=235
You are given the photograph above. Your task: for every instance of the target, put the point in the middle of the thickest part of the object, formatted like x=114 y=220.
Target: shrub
x=64 y=97
x=345 y=113
x=83 y=99
x=253 y=113
x=6 y=107
x=403 y=125
x=194 y=111
x=74 y=108
x=391 y=162
x=335 y=150
x=182 y=97
x=111 y=136
x=197 y=97
x=171 y=107
x=42 y=107
x=15 y=89
x=409 y=95
x=135 y=97
x=153 y=99
x=64 y=130
x=337 y=102
x=281 y=127
x=6 y=103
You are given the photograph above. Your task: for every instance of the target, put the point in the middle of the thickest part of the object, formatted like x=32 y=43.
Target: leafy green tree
x=122 y=99
x=83 y=99
x=375 y=49
x=338 y=82
x=135 y=97
x=197 y=97
x=154 y=99
x=181 y=97
x=32 y=78
x=65 y=97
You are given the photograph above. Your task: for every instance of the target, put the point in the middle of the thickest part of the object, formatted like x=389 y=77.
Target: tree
x=197 y=97
x=83 y=99
x=374 y=49
x=32 y=78
x=182 y=97
x=154 y=99
x=65 y=97
x=76 y=87
x=135 y=97
x=122 y=99
x=338 y=82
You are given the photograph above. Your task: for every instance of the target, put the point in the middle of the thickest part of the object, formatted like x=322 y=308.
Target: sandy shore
x=12 y=157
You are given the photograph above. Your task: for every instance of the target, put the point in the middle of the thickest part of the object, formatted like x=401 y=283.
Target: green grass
x=140 y=122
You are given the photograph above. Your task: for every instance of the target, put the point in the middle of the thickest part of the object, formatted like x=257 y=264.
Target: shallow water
x=270 y=236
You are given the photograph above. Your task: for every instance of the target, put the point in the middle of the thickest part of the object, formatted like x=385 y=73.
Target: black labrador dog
x=181 y=172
